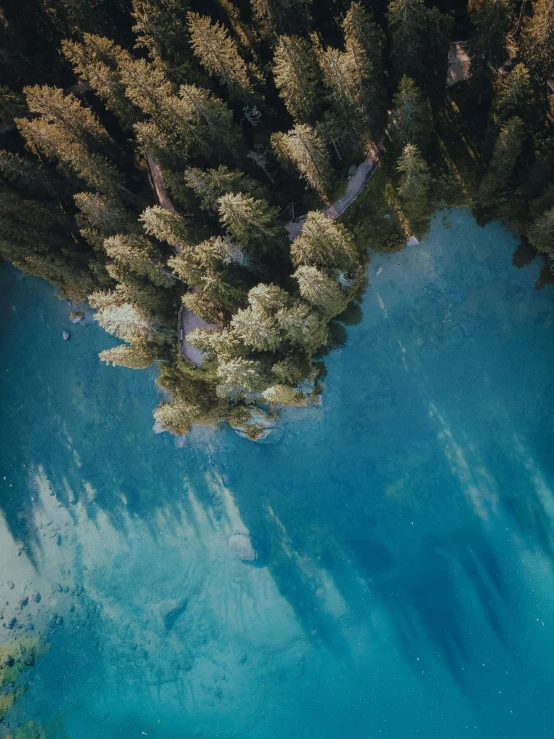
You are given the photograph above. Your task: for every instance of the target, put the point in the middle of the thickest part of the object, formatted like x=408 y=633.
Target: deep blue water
x=407 y=521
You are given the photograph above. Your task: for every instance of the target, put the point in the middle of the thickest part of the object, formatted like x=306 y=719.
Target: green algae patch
x=31 y=730
x=16 y=657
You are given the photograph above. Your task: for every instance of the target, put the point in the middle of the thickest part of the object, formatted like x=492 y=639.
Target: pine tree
x=340 y=76
x=320 y=291
x=161 y=28
x=407 y=21
x=253 y=223
x=541 y=233
x=166 y=226
x=177 y=416
x=324 y=244
x=283 y=395
x=292 y=369
x=513 y=94
x=302 y=327
x=306 y=150
x=491 y=20
x=419 y=38
x=122 y=318
x=98 y=61
x=364 y=41
x=538 y=42
x=415 y=180
x=438 y=33
x=241 y=377
x=219 y=55
x=67 y=131
x=40 y=239
x=411 y=116
x=276 y=17
x=203 y=305
x=210 y=184
x=11 y=106
x=331 y=130
x=257 y=329
x=274 y=320
x=215 y=119
x=138 y=254
x=188 y=266
x=507 y=150
x=147 y=86
x=296 y=75
x=100 y=216
x=86 y=16
x=194 y=119
x=134 y=356
x=31 y=177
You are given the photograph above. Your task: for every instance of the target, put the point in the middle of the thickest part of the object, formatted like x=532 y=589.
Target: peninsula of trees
x=152 y=151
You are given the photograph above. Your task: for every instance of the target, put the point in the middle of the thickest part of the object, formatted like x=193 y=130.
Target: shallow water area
x=406 y=587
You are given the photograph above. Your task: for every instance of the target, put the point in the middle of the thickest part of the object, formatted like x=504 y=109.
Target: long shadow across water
x=397 y=491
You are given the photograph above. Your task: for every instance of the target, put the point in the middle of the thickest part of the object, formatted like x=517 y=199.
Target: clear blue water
x=408 y=523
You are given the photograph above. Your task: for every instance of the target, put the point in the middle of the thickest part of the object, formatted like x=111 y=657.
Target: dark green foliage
x=419 y=38
x=491 y=21
x=538 y=42
x=412 y=120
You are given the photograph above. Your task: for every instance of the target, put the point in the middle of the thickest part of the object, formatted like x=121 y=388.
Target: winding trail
x=356 y=184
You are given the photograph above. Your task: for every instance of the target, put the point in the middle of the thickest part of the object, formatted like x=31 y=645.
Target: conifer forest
x=175 y=165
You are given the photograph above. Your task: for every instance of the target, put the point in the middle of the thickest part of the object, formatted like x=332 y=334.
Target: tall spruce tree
x=415 y=181
x=297 y=76
x=253 y=223
x=320 y=290
x=491 y=21
x=538 y=42
x=364 y=41
x=507 y=149
x=219 y=55
x=513 y=94
x=277 y=17
x=70 y=133
x=541 y=233
x=210 y=184
x=340 y=76
x=161 y=29
x=324 y=244
x=412 y=119
x=195 y=118
x=98 y=60
x=419 y=39
x=307 y=151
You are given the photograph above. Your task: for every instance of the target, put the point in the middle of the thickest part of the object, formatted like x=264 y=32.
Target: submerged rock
x=457 y=336
x=66 y=335
x=170 y=610
x=243 y=548
x=259 y=427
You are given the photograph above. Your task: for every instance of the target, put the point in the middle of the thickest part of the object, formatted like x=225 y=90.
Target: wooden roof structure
x=459 y=63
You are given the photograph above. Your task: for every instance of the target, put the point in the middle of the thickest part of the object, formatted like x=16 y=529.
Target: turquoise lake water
x=408 y=587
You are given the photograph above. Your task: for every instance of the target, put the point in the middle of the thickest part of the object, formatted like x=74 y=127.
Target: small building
x=459 y=63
